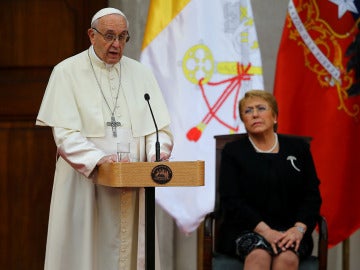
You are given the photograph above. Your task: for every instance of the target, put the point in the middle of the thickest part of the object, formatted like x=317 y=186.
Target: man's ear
x=91 y=35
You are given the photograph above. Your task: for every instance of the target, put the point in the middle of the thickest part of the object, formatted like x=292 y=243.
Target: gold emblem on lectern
x=161 y=174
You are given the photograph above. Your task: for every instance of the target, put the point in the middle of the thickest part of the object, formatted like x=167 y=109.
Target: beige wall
x=178 y=252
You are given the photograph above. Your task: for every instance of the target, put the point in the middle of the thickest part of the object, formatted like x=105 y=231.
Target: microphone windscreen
x=147 y=96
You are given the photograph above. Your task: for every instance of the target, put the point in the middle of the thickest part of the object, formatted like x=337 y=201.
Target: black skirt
x=248 y=241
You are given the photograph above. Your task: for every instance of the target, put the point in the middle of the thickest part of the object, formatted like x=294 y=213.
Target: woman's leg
x=258 y=259
x=286 y=260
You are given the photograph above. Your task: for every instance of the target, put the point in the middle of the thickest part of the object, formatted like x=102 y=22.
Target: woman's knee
x=286 y=260
x=258 y=257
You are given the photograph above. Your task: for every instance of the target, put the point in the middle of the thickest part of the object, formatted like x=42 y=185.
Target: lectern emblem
x=161 y=174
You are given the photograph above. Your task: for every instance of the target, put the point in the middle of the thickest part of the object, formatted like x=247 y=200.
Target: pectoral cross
x=113 y=124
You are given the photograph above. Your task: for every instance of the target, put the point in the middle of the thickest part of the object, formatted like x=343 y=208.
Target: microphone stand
x=150 y=206
x=157 y=144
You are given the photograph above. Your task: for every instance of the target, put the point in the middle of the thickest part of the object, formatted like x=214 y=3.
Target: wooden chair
x=212 y=260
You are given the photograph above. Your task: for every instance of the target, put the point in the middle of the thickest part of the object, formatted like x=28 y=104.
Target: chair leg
x=200 y=247
x=323 y=243
x=204 y=249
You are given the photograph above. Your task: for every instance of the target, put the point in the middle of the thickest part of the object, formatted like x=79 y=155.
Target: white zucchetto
x=106 y=11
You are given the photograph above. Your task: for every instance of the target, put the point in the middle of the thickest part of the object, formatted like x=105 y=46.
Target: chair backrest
x=220 y=141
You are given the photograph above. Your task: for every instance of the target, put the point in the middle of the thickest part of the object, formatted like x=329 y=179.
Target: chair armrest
x=209 y=224
x=323 y=243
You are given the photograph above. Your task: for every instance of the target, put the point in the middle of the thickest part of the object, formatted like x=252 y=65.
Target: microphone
x=157 y=144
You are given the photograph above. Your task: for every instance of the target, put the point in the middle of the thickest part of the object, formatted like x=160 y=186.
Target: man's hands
x=113 y=158
x=163 y=157
x=107 y=159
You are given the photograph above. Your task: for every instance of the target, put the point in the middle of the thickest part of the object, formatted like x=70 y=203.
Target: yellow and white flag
x=205 y=56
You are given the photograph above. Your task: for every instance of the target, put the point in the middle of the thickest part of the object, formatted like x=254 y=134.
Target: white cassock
x=93 y=227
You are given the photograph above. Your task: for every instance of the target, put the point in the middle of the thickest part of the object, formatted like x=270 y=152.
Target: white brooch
x=292 y=159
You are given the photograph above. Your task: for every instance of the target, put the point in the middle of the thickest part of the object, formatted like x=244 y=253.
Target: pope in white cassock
x=94 y=103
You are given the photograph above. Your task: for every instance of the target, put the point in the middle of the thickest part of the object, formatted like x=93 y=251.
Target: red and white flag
x=318 y=94
x=205 y=56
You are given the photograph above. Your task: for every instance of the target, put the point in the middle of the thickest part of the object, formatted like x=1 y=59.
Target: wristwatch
x=300 y=229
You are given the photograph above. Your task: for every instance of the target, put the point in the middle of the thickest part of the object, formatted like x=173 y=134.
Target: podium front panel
x=151 y=174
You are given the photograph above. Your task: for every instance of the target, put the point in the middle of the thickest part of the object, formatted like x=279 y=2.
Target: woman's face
x=257 y=115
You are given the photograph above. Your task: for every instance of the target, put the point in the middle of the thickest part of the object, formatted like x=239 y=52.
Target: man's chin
x=113 y=60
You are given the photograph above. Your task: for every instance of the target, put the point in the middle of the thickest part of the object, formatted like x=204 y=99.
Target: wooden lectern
x=151 y=175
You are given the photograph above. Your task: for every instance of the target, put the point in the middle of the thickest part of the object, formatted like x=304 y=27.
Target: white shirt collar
x=100 y=62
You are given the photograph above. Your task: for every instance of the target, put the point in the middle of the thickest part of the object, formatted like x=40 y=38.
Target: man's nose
x=116 y=42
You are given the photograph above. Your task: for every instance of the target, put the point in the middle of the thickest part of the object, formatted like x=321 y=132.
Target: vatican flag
x=205 y=56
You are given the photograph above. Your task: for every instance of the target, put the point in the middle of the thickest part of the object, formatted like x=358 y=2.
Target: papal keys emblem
x=199 y=58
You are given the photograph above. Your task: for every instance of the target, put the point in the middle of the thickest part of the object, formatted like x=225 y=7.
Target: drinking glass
x=123 y=152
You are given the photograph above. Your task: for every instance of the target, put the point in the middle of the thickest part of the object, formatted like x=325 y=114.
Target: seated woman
x=269 y=191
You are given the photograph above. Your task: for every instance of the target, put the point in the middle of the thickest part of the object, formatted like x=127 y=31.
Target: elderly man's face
x=109 y=51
